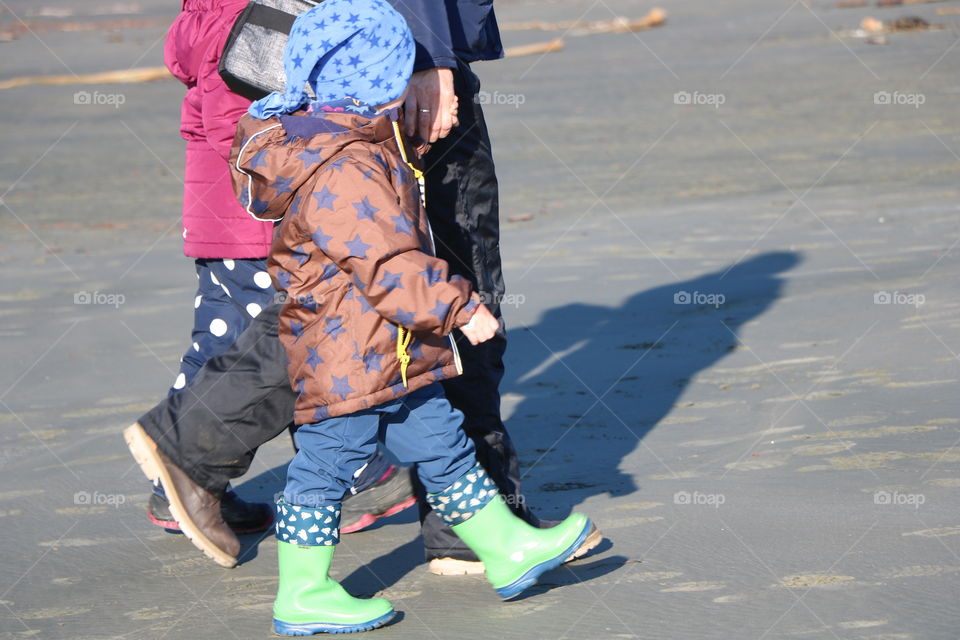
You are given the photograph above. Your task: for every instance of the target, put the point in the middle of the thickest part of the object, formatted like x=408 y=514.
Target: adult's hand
x=430 y=110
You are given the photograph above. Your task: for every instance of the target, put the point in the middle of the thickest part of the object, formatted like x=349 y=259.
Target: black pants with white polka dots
x=230 y=293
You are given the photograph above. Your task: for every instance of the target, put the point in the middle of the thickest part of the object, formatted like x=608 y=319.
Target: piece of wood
x=654 y=18
x=122 y=76
x=908 y=23
x=897 y=3
x=538 y=25
x=112 y=24
x=533 y=49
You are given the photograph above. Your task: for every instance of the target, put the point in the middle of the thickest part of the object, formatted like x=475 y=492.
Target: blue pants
x=230 y=294
x=420 y=428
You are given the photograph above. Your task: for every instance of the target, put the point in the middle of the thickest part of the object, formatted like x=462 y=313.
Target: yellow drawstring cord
x=403 y=154
x=404 y=335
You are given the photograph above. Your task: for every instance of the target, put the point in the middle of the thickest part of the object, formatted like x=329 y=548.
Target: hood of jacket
x=282 y=153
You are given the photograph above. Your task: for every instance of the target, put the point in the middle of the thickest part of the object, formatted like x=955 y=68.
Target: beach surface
x=730 y=247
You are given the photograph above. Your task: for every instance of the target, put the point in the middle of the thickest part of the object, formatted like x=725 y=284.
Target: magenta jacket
x=214 y=223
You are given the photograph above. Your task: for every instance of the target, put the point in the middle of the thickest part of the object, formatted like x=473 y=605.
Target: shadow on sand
x=594 y=381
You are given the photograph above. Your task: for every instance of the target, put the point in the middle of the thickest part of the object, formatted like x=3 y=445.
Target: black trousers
x=242 y=398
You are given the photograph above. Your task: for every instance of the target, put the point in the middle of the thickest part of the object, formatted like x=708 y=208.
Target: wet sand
x=733 y=335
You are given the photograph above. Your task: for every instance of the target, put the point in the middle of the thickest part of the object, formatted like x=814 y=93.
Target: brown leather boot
x=197 y=511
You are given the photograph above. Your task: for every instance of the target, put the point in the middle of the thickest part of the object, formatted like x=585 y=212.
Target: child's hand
x=428 y=112
x=455 y=111
x=482 y=326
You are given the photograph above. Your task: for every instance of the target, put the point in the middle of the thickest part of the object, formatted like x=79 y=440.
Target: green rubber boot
x=514 y=553
x=308 y=600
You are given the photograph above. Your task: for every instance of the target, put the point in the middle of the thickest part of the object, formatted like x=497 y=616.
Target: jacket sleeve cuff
x=465 y=315
x=432 y=62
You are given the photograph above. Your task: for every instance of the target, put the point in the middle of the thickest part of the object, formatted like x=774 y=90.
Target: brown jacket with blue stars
x=354 y=254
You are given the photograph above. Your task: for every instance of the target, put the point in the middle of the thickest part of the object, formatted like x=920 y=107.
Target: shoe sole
x=174 y=527
x=170 y=525
x=593 y=539
x=310 y=628
x=455 y=567
x=529 y=578
x=368 y=519
x=144 y=451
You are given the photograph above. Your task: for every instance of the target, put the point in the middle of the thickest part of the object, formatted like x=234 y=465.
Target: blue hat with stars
x=360 y=49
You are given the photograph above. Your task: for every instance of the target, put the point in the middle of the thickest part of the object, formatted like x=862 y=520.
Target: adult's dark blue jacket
x=450 y=30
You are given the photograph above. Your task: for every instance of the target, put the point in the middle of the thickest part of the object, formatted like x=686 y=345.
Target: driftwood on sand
x=620 y=24
x=143 y=74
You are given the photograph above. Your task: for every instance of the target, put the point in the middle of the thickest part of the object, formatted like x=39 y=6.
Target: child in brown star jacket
x=369 y=315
